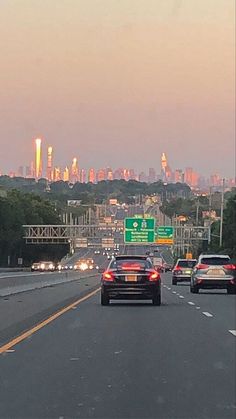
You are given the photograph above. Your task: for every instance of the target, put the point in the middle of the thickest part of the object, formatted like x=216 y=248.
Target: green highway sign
x=139 y=230
x=165 y=235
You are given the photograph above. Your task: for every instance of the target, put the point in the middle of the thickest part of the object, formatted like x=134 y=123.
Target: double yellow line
x=39 y=326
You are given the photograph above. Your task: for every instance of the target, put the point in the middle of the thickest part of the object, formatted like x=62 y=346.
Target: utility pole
x=197 y=212
x=222 y=212
x=210 y=200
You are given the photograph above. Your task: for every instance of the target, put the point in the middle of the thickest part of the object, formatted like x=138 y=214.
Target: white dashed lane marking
x=191 y=303
x=181 y=296
x=207 y=314
x=198 y=308
x=173 y=292
x=233 y=332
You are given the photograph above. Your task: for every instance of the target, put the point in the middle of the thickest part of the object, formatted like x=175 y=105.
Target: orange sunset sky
x=116 y=82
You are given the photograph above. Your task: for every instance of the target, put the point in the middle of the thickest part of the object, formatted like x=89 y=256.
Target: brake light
x=131 y=268
x=231 y=267
x=108 y=276
x=201 y=266
x=154 y=276
x=178 y=268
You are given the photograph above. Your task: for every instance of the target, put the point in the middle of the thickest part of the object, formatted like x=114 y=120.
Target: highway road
x=126 y=360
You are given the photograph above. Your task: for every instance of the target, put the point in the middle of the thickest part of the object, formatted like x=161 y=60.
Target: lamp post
x=222 y=212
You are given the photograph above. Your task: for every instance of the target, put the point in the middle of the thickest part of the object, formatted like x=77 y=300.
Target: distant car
x=182 y=270
x=214 y=271
x=84 y=264
x=35 y=267
x=130 y=277
x=47 y=266
x=167 y=267
x=97 y=252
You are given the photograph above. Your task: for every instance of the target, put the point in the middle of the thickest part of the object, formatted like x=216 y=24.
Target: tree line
x=19 y=208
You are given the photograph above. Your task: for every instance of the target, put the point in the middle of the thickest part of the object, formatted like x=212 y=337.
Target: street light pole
x=222 y=212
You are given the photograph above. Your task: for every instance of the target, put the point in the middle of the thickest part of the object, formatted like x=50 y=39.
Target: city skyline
x=119 y=82
x=44 y=165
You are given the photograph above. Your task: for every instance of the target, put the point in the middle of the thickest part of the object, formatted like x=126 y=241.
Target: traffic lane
x=217 y=303
x=126 y=360
x=19 y=312
x=18 y=284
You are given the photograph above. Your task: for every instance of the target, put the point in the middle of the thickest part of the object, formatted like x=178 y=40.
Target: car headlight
x=59 y=267
x=51 y=266
x=83 y=266
x=42 y=266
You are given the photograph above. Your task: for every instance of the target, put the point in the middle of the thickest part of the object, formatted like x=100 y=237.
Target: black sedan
x=130 y=277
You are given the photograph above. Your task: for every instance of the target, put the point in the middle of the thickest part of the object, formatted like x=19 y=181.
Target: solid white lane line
x=233 y=332
x=207 y=314
x=191 y=303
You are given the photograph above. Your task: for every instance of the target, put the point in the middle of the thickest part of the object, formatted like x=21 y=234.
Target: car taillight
x=178 y=268
x=231 y=267
x=154 y=276
x=201 y=266
x=108 y=276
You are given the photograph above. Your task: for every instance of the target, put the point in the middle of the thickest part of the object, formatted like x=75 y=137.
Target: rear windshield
x=186 y=263
x=133 y=264
x=215 y=260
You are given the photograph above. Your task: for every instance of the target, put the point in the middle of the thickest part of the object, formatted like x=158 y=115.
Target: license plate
x=216 y=272
x=188 y=272
x=131 y=278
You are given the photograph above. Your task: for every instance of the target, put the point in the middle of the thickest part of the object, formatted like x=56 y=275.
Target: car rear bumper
x=203 y=282
x=131 y=291
x=182 y=277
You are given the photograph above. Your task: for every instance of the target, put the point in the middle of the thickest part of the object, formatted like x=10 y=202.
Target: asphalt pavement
x=126 y=360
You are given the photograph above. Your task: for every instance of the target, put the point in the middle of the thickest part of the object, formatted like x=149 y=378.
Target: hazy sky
x=116 y=82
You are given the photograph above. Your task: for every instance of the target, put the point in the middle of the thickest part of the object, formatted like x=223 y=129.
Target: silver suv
x=214 y=271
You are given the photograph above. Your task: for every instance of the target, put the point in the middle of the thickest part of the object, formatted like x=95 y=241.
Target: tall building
x=66 y=175
x=38 y=158
x=163 y=164
x=74 y=174
x=20 y=171
x=109 y=174
x=101 y=175
x=151 y=175
x=50 y=164
x=179 y=176
x=188 y=177
x=82 y=176
x=57 y=174
x=91 y=175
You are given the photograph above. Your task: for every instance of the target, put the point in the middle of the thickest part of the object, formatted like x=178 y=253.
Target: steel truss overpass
x=186 y=237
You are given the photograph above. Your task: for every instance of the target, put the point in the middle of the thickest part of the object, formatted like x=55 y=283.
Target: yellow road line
x=39 y=326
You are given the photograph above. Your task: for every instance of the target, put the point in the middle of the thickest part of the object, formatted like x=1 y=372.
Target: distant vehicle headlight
x=51 y=266
x=83 y=266
x=71 y=266
x=42 y=266
x=59 y=267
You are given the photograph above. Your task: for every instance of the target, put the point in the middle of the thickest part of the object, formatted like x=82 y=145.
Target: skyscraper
x=91 y=175
x=50 y=164
x=38 y=158
x=74 y=171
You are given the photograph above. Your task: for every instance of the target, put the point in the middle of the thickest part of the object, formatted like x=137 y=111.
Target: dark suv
x=182 y=270
x=214 y=271
x=130 y=277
